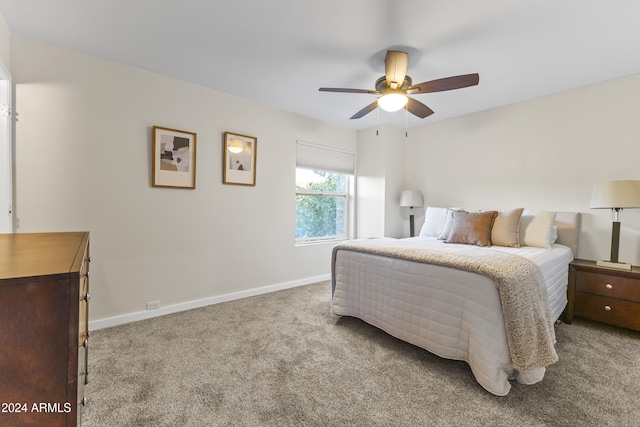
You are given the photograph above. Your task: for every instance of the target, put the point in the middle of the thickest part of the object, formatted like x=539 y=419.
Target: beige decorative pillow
x=536 y=228
x=472 y=228
x=506 y=228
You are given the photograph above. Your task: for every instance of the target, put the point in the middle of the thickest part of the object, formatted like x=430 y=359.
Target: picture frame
x=239 y=159
x=174 y=158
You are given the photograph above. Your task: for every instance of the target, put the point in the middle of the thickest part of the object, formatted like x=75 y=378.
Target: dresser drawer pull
x=85 y=274
x=608 y=286
x=607 y=308
x=86 y=297
x=84 y=401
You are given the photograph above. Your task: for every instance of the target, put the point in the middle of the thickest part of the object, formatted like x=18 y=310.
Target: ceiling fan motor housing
x=382 y=86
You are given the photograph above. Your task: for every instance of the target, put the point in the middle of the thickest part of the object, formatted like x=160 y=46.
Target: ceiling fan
x=395 y=85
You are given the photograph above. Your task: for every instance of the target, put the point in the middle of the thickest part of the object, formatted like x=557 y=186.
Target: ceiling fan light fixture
x=393 y=101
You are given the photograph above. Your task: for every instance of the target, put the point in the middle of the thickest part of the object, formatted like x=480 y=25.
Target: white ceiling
x=279 y=52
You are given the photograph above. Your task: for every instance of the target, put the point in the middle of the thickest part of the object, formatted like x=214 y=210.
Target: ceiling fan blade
x=417 y=108
x=366 y=110
x=447 y=83
x=344 y=90
x=395 y=65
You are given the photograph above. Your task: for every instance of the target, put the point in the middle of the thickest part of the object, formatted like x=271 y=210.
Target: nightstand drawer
x=609 y=310
x=608 y=285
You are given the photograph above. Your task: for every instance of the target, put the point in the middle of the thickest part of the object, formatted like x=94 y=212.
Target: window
x=323 y=180
x=321 y=205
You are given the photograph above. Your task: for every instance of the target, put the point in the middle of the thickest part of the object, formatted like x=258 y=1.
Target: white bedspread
x=452 y=313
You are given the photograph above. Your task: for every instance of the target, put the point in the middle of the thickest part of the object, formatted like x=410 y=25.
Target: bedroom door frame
x=6 y=150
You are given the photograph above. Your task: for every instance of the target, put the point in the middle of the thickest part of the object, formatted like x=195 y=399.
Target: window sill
x=321 y=242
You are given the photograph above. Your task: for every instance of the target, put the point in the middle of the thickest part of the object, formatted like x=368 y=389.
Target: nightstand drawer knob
x=608 y=286
x=607 y=308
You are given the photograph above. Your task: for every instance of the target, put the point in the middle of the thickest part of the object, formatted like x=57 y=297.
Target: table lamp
x=411 y=199
x=615 y=195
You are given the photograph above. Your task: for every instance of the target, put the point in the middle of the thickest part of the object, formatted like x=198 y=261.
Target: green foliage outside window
x=321 y=200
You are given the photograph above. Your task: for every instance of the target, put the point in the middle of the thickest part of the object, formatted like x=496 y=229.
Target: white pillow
x=434 y=219
x=536 y=228
x=446 y=229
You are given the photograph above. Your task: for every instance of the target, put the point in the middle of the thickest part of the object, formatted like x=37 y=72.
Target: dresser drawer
x=82 y=372
x=83 y=310
x=83 y=322
x=84 y=285
x=82 y=381
x=609 y=310
x=607 y=285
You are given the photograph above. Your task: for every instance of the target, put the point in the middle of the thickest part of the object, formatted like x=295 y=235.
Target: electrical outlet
x=152 y=305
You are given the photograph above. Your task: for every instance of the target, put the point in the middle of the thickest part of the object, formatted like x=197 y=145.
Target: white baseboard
x=148 y=314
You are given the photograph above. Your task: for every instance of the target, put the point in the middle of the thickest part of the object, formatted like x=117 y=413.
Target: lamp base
x=618 y=265
x=412 y=228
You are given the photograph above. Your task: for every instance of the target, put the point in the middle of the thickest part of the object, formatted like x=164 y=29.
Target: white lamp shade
x=411 y=198
x=616 y=194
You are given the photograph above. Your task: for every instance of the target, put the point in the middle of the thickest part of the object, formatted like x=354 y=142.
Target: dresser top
x=40 y=254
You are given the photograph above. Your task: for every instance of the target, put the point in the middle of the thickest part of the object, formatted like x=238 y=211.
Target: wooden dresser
x=604 y=294
x=44 y=303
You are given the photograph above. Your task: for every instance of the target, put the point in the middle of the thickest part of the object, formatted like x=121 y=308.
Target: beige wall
x=84 y=163
x=380 y=169
x=542 y=154
x=5 y=43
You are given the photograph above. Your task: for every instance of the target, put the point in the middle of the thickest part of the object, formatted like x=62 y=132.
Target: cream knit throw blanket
x=530 y=332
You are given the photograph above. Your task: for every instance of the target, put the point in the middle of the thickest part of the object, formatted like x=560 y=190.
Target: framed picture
x=239 y=159
x=174 y=158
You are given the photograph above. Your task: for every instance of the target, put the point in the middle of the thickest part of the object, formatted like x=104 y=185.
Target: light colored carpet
x=283 y=359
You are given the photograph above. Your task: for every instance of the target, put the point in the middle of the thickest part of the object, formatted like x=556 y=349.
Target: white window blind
x=313 y=156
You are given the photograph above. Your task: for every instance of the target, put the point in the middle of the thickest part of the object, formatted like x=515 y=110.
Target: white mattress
x=452 y=313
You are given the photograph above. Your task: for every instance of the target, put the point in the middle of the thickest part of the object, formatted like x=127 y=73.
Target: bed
x=488 y=299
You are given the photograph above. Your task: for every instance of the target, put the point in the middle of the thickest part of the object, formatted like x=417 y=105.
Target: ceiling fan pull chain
x=406 y=122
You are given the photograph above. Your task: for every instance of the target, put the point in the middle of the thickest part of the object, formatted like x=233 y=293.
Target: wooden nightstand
x=603 y=294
